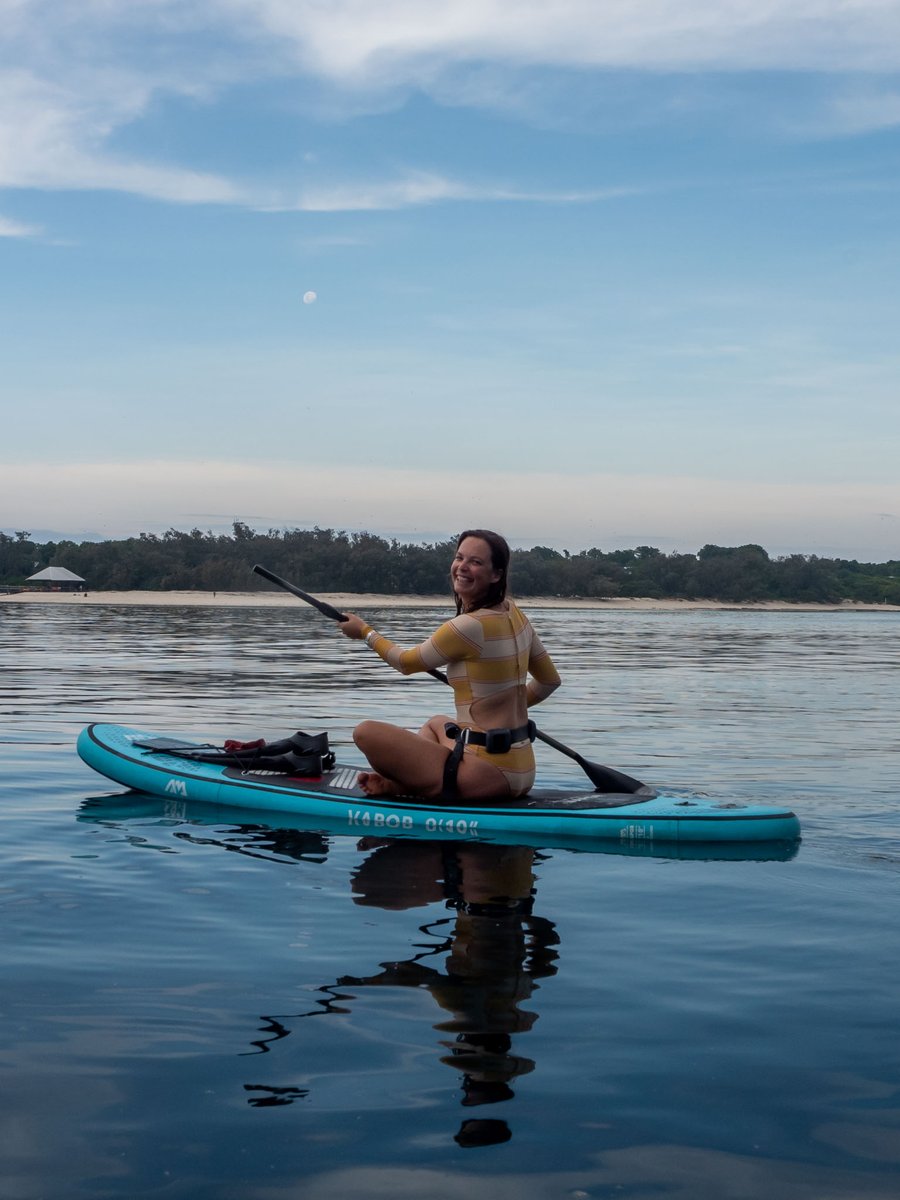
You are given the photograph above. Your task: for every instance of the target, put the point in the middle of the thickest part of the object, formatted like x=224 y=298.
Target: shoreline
x=361 y=601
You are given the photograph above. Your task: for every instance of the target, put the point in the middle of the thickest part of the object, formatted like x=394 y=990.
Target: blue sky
x=597 y=273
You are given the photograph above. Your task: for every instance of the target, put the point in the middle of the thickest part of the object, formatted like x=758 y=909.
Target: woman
x=489 y=649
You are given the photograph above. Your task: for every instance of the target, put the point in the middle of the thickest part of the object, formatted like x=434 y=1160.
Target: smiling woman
x=490 y=649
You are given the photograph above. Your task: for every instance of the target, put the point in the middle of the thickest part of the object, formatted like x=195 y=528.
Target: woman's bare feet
x=374 y=784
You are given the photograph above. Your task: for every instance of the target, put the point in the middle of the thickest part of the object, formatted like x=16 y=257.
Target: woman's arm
x=544 y=676
x=454 y=641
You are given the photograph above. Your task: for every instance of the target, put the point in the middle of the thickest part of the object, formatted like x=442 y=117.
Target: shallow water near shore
x=200 y=1006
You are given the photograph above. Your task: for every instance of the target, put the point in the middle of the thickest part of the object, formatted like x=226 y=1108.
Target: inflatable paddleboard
x=150 y=763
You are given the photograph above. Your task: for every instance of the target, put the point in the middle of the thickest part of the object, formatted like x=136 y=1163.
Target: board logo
x=177 y=787
x=636 y=833
x=378 y=820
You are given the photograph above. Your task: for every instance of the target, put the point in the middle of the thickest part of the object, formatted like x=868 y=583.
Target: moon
x=309 y=297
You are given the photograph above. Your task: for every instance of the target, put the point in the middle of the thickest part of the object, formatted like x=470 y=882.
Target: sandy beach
x=361 y=602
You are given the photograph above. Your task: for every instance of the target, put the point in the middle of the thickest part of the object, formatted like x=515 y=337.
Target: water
x=205 y=1009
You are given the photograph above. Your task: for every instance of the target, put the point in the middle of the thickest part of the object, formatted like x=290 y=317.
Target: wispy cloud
x=420 y=187
x=54 y=134
x=864 y=110
x=76 y=74
x=17 y=229
x=356 y=40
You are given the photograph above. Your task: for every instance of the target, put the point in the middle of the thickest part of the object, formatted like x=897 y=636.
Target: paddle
x=326 y=609
x=604 y=779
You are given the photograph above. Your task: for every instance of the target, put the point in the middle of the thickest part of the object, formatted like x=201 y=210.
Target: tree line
x=336 y=561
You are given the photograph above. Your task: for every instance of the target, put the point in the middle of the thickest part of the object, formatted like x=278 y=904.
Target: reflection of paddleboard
x=296 y=836
x=139 y=760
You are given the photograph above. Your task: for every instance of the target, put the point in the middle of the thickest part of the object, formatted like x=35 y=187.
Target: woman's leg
x=403 y=763
x=412 y=764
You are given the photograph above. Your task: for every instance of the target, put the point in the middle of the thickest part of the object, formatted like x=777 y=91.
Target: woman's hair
x=499 y=562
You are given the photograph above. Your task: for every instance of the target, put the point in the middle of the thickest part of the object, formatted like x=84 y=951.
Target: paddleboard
x=145 y=762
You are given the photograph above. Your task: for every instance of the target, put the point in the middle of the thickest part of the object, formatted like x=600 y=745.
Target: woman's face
x=472 y=571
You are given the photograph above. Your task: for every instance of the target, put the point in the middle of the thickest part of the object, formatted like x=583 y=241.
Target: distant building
x=57 y=579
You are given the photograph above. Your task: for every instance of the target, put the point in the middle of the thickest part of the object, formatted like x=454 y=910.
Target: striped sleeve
x=454 y=641
x=544 y=675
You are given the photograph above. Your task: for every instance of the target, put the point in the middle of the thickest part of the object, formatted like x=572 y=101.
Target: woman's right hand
x=354 y=627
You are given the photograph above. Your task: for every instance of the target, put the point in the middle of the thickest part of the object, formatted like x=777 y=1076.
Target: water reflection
x=262 y=841
x=481 y=965
x=496 y=951
x=258 y=832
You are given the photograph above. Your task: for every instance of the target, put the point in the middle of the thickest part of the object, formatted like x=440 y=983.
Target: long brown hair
x=500 y=554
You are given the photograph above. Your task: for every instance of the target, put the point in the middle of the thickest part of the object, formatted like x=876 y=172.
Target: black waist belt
x=495 y=741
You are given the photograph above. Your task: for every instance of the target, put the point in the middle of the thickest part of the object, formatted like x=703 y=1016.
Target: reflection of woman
x=495 y=953
x=490 y=649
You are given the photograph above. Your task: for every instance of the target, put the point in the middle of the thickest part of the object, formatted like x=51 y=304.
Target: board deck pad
x=342 y=782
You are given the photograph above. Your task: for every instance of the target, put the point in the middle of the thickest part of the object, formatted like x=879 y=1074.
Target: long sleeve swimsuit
x=488 y=654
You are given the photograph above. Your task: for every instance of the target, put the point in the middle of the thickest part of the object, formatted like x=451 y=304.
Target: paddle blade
x=604 y=779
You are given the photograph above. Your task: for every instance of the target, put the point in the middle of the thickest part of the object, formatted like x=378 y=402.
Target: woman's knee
x=433 y=729
x=366 y=733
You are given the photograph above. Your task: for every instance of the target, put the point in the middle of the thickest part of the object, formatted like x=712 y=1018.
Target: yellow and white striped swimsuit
x=486 y=653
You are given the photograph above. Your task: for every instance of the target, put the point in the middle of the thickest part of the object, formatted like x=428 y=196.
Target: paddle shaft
x=604 y=779
x=326 y=609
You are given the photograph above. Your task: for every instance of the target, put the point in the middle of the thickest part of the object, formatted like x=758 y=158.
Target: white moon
x=309 y=297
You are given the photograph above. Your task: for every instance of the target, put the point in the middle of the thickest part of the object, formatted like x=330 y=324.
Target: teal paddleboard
x=150 y=763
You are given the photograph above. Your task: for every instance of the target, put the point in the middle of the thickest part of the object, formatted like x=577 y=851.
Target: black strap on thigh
x=450 y=787
x=451 y=767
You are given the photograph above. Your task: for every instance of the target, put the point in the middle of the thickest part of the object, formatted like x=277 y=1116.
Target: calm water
x=196 y=1007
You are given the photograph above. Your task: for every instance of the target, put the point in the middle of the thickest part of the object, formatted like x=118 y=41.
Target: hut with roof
x=57 y=579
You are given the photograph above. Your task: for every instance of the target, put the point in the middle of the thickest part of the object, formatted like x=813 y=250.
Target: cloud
x=422 y=187
x=17 y=229
x=53 y=134
x=574 y=510
x=356 y=41
x=56 y=135
x=865 y=110
x=75 y=75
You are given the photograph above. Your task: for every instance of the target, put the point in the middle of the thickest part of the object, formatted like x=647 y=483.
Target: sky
x=590 y=272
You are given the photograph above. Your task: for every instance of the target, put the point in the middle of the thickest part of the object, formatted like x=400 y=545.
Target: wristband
x=371 y=634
